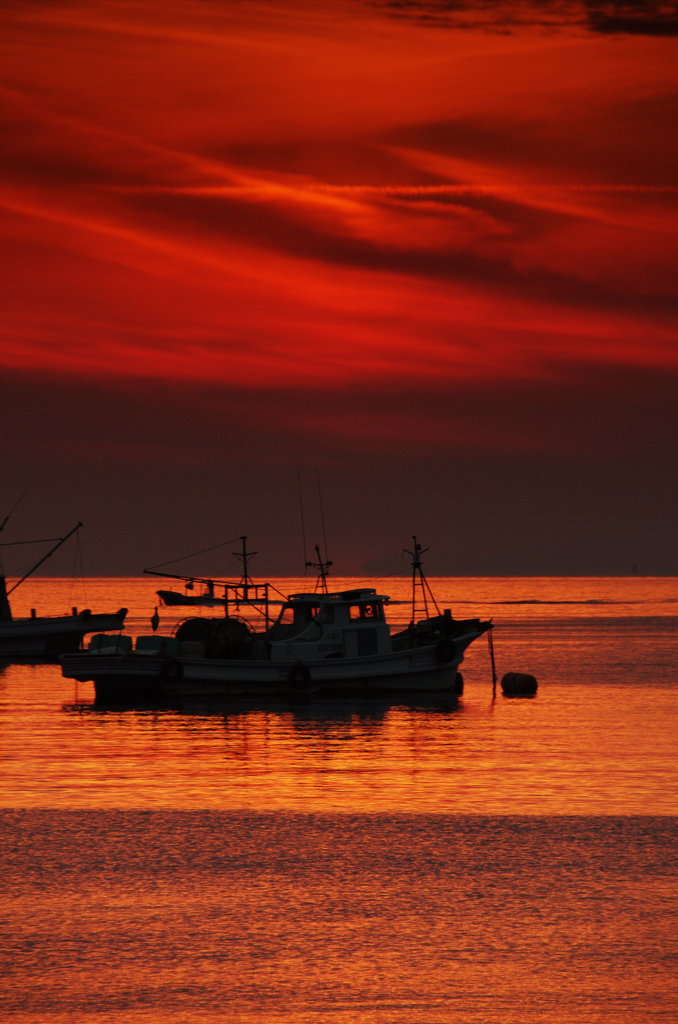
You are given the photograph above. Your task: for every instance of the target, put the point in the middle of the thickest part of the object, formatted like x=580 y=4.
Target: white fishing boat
x=46 y=637
x=319 y=643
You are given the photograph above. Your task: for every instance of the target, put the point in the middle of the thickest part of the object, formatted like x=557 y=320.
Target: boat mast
x=246 y=580
x=323 y=572
x=242 y=590
x=419 y=581
x=5 y=609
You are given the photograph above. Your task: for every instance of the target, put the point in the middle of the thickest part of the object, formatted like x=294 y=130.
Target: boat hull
x=170 y=598
x=48 y=637
x=146 y=677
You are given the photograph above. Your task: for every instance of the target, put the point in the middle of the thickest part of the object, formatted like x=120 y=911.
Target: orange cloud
x=290 y=196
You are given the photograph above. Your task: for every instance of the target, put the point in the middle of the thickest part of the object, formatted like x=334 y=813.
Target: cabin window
x=304 y=614
x=300 y=616
x=286 y=617
x=370 y=611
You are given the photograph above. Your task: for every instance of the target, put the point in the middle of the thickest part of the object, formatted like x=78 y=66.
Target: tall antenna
x=322 y=514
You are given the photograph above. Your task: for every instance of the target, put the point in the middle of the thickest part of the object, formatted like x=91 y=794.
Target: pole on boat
x=323 y=571
x=247 y=584
x=322 y=515
x=490 y=642
x=419 y=578
x=416 y=569
x=246 y=581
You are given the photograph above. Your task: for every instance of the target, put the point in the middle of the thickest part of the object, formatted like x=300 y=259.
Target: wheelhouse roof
x=361 y=596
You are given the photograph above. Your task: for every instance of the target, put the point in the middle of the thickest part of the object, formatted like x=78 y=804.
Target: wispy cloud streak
x=642 y=17
x=288 y=195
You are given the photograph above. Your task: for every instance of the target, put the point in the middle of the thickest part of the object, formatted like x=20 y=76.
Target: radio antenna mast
x=322 y=516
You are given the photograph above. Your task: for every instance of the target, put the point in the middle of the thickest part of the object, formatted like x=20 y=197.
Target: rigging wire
x=78 y=573
x=17 y=543
x=17 y=503
x=194 y=554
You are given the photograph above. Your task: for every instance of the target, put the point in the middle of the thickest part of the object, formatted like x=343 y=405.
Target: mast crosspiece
x=420 y=585
x=323 y=572
x=246 y=580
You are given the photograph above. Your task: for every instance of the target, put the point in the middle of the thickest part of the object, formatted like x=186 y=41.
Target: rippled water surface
x=491 y=862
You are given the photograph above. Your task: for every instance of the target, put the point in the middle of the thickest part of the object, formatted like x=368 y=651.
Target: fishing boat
x=173 y=598
x=318 y=643
x=206 y=597
x=46 y=637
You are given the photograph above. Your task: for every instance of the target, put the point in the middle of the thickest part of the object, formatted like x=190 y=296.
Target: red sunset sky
x=422 y=252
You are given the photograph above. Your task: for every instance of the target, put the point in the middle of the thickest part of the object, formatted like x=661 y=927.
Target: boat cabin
x=350 y=624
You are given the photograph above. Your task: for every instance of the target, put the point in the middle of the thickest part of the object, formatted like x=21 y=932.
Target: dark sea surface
x=495 y=861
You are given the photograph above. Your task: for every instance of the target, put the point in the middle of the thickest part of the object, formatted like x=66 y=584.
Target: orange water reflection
x=410 y=919
x=598 y=738
x=504 y=598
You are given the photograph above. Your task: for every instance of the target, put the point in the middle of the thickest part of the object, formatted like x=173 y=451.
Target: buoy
x=518 y=684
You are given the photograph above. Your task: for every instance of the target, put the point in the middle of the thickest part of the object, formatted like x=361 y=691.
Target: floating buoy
x=518 y=684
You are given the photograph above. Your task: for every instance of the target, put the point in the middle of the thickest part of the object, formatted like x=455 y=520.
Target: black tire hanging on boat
x=171 y=671
x=299 y=677
x=458 y=685
x=446 y=651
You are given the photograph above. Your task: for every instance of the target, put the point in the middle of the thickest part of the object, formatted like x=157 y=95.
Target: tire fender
x=446 y=651
x=299 y=677
x=171 y=671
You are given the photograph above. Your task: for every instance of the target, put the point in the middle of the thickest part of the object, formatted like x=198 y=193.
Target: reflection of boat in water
x=319 y=643
x=48 y=636
x=315 y=710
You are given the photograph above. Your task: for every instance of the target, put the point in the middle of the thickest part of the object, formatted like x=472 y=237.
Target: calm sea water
x=493 y=862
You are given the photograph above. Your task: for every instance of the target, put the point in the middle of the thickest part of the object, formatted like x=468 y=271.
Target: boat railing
x=244 y=592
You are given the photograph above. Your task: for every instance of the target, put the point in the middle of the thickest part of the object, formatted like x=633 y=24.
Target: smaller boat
x=319 y=644
x=206 y=598
x=172 y=598
x=47 y=637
